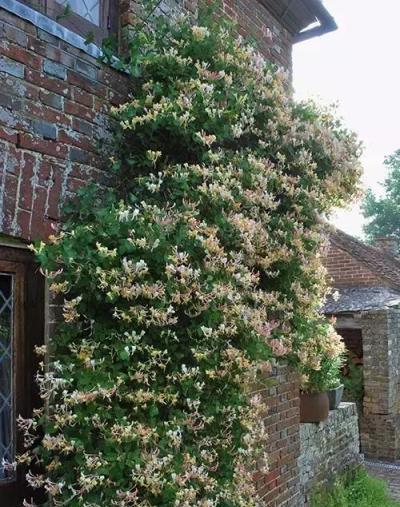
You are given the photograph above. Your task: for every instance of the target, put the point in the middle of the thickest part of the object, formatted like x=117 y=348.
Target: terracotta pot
x=335 y=397
x=314 y=408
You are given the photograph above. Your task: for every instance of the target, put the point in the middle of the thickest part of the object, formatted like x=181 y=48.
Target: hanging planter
x=314 y=407
x=335 y=397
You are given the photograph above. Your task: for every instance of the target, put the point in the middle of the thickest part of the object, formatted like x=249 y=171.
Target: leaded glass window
x=87 y=9
x=7 y=449
x=94 y=20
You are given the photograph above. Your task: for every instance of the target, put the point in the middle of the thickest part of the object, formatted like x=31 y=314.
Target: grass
x=355 y=489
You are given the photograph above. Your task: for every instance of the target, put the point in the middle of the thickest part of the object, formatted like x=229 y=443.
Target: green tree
x=383 y=213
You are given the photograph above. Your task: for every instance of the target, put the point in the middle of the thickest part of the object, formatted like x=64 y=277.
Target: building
x=368 y=317
x=54 y=102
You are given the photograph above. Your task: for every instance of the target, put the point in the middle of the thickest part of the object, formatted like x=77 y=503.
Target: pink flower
x=278 y=348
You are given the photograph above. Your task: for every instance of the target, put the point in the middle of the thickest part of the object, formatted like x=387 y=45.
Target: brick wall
x=274 y=41
x=328 y=448
x=345 y=270
x=53 y=108
x=54 y=101
x=280 y=486
x=253 y=19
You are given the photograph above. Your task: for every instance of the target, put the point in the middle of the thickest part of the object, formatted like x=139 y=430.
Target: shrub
x=186 y=279
x=321 y=360
x=355 y=489
x=354 y=382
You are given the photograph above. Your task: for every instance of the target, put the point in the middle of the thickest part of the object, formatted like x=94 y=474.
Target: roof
x=361 y=299
x=297 y=15
x=383 y=264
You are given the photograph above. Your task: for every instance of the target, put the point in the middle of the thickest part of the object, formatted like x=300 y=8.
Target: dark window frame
x=108 y=25
x=29 y=331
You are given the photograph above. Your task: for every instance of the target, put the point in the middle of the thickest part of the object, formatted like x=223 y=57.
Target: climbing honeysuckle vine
x=185 y=281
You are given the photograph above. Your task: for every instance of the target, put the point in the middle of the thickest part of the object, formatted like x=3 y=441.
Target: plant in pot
x=321 y=359
x=334 y=381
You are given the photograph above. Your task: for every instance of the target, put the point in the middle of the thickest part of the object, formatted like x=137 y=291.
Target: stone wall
x=328 y=448
x=380 y=422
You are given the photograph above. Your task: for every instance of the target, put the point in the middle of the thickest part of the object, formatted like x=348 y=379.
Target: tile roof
x=384 y=264
x=358 y=299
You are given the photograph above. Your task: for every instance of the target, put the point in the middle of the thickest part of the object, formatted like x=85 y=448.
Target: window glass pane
x=7 y=451
x=88 y=9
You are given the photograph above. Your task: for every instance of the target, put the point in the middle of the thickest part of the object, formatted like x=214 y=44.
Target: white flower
x=207 y=331
x=200 y=32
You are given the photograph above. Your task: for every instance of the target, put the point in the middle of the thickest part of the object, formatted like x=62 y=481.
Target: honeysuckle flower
x=200 y=32
x=188 y=281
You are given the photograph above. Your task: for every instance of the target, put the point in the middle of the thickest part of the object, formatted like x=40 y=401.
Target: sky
x=357 y=66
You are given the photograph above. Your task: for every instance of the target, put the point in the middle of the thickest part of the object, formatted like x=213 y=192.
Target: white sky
x=358 y=66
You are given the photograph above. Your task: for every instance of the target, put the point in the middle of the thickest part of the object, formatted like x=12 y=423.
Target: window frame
x=109 y=14
x=28 y=331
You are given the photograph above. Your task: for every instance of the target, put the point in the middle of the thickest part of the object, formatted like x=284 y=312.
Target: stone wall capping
x=50 y=27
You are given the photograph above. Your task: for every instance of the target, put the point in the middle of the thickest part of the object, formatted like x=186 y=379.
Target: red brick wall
x=280 y=486
x=53 y=105
x=253 y=19
x=347 y=271
x=274 y=41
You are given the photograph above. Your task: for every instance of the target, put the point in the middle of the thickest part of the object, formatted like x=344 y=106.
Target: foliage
x=354 y=382
x=355 y=489
x=383 y=212
x=185 y=280
x=321 y=360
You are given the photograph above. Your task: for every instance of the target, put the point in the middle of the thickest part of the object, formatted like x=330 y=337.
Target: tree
x=383 y=213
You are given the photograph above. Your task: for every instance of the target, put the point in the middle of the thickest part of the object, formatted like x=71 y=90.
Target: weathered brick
x=13 y=34
x=76 y=79
x=86 y=69
x=82 y=126
x=9 y=135
x=20 y=54
x=10 y=102
x=52 y=99
x=80 y=156
x=44 y=129
x=83 y=97
x=23 y=223
x=49 y=83
x=76 y=139
x=28 y=180
x=16 y=88
x=29 y=142
x=79 y=110
x=54 y=69
x=47 y=37
x=10 y=67
x=45 y=113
